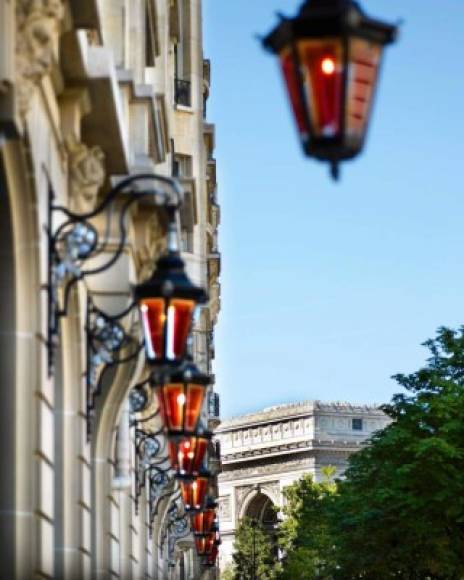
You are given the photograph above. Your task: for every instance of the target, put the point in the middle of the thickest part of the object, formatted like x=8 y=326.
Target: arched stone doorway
x=261 y=508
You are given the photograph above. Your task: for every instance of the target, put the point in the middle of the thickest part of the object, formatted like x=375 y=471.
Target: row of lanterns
x=167 y=302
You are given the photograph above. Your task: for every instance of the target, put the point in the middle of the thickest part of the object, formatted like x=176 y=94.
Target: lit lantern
x=167 y=301
x=181 y=399
x=202 y=522
x=187 y=454
x=205 y=544
x=330 y=57
x=194 y=491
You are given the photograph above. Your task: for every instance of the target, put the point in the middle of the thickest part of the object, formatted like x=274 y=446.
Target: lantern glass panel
x=289 y=66
x=180 y=405
x=364 y=62
x=166 y=325
x=200 y=545
x=323 y=74
x=187 y=455
x=153 y=316
x=194 y=493
x=212 y=556
x=202 y=522
x=179 y=320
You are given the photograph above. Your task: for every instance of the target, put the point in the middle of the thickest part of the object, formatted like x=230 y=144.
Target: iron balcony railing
x=183 y=92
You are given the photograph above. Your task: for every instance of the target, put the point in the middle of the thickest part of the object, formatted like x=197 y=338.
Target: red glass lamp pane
x=290 y=72
x=152 y=311
x=194 y=403
x=202 y=522
x=172 y=401
x=364 y=64
x=200 y=545
x=179 y=321
x=194 y=493
x=187 y=454
x=180 y=405
x=210 y=542
x=211 y=560
x=322 y=64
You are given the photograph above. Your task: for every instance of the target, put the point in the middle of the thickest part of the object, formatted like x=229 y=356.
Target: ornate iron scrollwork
x=106 y=337
x=76 y=241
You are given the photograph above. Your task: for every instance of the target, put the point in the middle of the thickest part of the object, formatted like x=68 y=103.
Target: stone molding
x=311 y=445
x=267 y=469
x=38 y=23
x=296 y=410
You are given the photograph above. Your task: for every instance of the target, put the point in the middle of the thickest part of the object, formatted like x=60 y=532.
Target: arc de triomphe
x=264 y=452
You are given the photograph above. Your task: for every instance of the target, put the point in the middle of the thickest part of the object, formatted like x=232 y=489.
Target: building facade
x=91 y=92
x=264 y=452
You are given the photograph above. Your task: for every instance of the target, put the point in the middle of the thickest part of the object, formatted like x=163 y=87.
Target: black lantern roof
x=169 y=280
x=319 y=18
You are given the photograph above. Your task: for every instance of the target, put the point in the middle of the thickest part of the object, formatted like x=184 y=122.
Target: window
x=159 y=144
x=151 y=37
x=357 y=424
x=182 y=166
x=182 y=56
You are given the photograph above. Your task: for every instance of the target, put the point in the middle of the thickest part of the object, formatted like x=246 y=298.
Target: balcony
x=183 y=92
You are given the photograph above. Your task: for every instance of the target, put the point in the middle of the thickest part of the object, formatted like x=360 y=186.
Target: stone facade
x=92 y=91
x=264 y=452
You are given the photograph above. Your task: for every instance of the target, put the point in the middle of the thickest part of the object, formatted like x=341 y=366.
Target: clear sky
x=329 y=289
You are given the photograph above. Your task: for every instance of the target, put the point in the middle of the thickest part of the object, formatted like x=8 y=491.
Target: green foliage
x=228 y=573
x=399 y=512
x=253 y=552
x=304 y=534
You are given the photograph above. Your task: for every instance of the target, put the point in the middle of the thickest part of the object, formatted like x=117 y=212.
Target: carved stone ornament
x=86 y=174
x=225 y=508
x=152 y=245
x=38 y=23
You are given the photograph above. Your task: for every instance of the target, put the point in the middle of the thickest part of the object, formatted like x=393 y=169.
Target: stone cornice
x=296 y=410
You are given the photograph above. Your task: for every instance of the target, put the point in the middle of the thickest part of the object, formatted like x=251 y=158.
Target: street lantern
x=180 y=397
x=205 y=544
x=202 y=522
x=167 y=301
x=187 y=454
x=330 y=56
x=194 y=491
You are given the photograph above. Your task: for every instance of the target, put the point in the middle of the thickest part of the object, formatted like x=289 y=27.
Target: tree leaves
x=399 y=512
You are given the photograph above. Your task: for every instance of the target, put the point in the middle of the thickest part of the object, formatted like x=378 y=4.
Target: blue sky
x=329 y=289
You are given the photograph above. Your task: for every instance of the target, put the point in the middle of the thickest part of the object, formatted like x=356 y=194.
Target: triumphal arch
x=264 y=452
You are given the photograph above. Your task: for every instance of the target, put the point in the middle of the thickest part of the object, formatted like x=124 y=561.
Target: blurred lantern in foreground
x=167 y=301
x=330 y=56
x=194 y=491
x=180 y=398
x=187 y=454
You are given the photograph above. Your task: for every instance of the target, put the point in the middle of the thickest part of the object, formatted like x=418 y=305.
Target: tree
x=400 y=511
x=304 y=535
x=253 y=552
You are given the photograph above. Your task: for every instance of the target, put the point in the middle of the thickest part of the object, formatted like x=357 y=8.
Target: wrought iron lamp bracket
x=75 y=240
x=105 y=338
